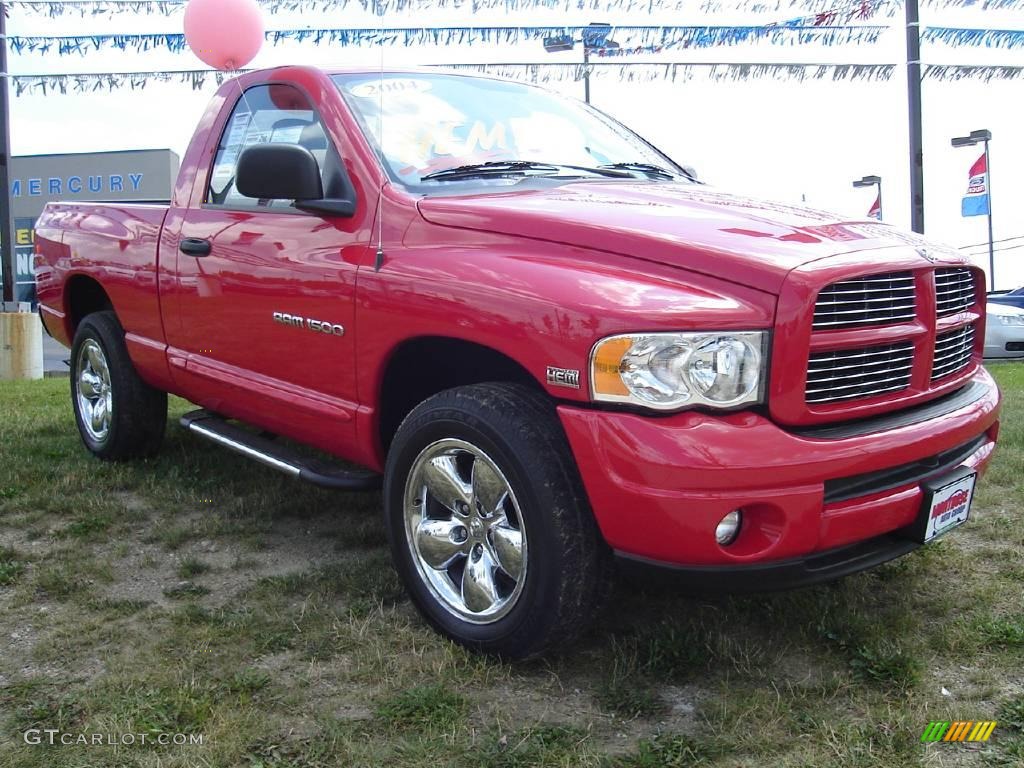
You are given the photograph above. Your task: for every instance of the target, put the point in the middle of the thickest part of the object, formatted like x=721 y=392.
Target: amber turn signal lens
x=607 y=359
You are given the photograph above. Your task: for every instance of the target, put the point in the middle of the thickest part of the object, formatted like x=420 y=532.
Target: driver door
x=265 y=291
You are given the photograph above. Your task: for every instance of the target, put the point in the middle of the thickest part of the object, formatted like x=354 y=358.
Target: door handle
x=194 y=246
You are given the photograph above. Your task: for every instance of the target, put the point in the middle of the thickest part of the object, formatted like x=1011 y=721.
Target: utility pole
x=914 y=109
x=6 y=224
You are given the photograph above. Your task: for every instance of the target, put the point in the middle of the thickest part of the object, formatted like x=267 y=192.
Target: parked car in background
x=1004 y=331
x=1014 y=298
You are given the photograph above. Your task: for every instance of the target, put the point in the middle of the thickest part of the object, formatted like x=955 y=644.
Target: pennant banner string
x=55 y=8
x=855 y=10
x=952 y=72
x=666 y=36
x=548 y=72
x=636 y=37
x=974 y=38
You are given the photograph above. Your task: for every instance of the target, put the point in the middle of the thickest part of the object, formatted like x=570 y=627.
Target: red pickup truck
x=554 y=347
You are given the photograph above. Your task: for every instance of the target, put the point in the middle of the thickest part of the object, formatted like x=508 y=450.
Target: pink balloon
x=226 y=34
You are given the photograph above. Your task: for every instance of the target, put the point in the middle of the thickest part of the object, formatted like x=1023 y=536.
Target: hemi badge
x=563 y=377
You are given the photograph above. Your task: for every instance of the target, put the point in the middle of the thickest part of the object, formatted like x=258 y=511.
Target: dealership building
x=142 y=175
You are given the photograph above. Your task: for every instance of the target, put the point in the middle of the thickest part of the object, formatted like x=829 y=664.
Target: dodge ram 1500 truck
x=552 y=346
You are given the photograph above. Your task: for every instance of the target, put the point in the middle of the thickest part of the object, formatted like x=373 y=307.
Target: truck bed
x=115 y=244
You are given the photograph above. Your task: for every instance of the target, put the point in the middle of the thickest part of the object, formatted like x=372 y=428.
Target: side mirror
x=291 y=172
x=278 y=172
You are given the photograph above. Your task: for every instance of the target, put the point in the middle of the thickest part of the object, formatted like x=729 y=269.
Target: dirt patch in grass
x=222 y=566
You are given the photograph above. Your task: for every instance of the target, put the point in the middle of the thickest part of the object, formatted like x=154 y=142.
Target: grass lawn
x=202 y=594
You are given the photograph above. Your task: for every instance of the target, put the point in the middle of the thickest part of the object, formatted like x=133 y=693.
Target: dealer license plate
x=947 y=503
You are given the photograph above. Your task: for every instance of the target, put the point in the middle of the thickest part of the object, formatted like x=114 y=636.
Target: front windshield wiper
x=506 y=167
x=648 y=168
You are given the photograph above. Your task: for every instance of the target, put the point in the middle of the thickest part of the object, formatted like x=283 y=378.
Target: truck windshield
x=432 y=124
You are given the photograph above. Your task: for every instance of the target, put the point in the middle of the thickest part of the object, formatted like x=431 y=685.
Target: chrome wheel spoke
x=89 y=384
x=99 y=414
x=507 y=543
x=441 y=542
x=96 y=361
x=88 y=409
x=441 y=475
x=479 y=591
x=489 y=489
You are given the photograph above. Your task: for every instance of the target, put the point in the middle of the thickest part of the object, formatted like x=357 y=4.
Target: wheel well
x=84 y=296
x=426 y=366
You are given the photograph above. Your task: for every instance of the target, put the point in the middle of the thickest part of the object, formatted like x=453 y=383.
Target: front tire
x=118 y=415
x=488 y=523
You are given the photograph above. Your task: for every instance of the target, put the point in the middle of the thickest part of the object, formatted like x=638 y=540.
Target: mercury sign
x=134 y=175
x=75 y=185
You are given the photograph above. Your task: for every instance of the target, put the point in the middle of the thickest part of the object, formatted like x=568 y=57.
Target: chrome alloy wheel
x=465 y=531
x=95 y=400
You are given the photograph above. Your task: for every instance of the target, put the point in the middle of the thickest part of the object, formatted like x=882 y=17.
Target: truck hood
x=740 y=239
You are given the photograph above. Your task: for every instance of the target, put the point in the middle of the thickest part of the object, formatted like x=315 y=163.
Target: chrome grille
x=865 y=372
x=954 y=290
x=870 y=300
x=953 y=351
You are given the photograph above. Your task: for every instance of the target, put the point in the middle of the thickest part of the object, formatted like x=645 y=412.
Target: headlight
x=670 y=371
x=1009 y=319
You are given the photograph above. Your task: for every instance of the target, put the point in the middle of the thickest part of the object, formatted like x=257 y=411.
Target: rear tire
x=118 y=415
x=488 y=522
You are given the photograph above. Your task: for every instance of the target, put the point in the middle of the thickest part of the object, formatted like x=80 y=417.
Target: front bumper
x=660 y=485
x=1003 y=341
x=767 y=577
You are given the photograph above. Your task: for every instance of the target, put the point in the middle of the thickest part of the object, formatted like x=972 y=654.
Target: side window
x=275 y=113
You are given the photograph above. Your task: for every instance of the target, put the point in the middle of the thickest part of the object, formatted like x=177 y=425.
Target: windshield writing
x=436 y=122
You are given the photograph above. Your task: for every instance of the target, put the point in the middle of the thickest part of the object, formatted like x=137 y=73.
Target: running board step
x=280 y=457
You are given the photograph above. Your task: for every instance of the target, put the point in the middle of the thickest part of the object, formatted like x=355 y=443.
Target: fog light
x=729 y=528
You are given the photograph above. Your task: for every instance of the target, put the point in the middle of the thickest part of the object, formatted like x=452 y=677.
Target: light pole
x=984 y=137
x=872 y=181
x=586 y=74
x=594 y=38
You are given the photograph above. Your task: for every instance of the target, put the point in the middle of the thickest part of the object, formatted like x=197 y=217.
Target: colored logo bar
x=958 y=730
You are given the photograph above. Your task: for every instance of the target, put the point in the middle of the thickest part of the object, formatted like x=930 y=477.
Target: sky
x=784 y=140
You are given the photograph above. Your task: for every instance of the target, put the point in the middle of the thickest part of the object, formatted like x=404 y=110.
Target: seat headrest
x=313 y=137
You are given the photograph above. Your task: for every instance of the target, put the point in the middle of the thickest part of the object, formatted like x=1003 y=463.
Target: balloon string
x=244 y=99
